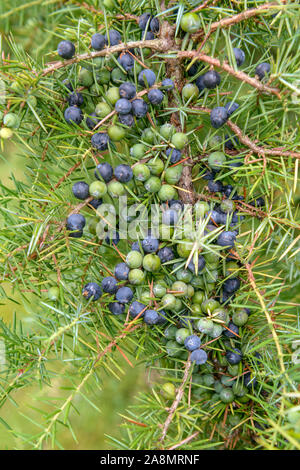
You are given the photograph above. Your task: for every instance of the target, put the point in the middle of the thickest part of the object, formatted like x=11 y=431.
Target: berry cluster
x=177 y=278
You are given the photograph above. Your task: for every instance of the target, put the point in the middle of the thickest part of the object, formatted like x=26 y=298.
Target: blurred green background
x=90 y=427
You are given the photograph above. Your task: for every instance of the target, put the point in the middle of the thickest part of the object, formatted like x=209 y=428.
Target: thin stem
x=235 y=73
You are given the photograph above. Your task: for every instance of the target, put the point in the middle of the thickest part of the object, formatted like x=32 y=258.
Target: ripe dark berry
x=100 y=141
x=122 y=271
x=95 y=203
x=75 y=99
x=167 y=84
x=112 y=237
x=234 y=331
x=124 y=295
x=146 y=78
x=109 y=285
x=66 y=49
x=201 y=265
x=230 y=107
x=68 y=85
x=126 y=61
x=126 y=119
x=151 y=317
x=104 y=171
x=232 y=285
x=113 y=38
x=92 y=290
x=215 y=187
x=218 y=117
x=234 y=357
x=123 y=173
x=211 y=79
x=92 y=120
x=226 y=239
x=170 y=217
x=155 y=96
x=198 y=356
x=165 y=254
x=98 y=41
x=230 y=142
x=249 y=380
x=135 y=247
x=176 y=204
x=175 y=154
x=192 y=342
x=147 y=36
x=144 y=19
x=259 y=202
x=116 y=308
x=154 y=25
x=123 y=106
x=200 y=84
x=239 y=56
x=127 y=90
x=136 y=308
x=193 y=69
x=81 y=190
x=75 y=222
x=150 y=244
x=73 y=115
x=262 y=70
x=139 y=108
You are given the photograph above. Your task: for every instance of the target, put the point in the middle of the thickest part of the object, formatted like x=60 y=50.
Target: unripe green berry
x=153 y=184
x=156 y=166
x=166 y=131
x=182 y=334
x=168 y=390
x=179 y=289
x=116 y=133
x=102 y=109
x=168 y=301
x=97 y=189
x=53 y=293
x=200 y=208
x=167 y=192
x=173 y=174
x=190 y=23
x=85 y=77
x=11 y=120
x=134 y=259
x=179 y=140
x=136 y=277
x=216 y=160
x=6 y=133
x=113 y=95
x=190 y=91
x=138 y=151
x=151 y=263
x=115 y=189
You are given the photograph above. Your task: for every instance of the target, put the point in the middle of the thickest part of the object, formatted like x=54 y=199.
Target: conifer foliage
x=158 y=221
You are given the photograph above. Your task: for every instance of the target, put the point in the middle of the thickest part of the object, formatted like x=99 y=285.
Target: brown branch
x=184 y=441
x=244 y=139
x=176 y=401
x=244 y=15
x=152 y=44
x=235 y=73
x=256 y=148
